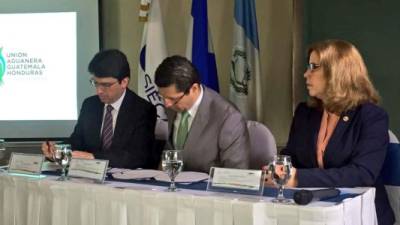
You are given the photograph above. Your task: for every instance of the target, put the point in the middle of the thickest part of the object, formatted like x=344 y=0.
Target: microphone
x=303 y=197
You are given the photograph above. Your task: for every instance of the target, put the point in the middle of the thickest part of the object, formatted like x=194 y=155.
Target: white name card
x=94 y=169
x=21 y=163
x=236 y=180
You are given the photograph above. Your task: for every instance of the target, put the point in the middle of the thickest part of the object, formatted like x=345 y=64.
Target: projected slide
x=38 y=63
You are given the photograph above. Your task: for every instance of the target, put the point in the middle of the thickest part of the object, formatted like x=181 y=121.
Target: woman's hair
x=347 y=81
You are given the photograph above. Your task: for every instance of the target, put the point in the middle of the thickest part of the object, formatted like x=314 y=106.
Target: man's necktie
x=107 y=132
x=182 y=130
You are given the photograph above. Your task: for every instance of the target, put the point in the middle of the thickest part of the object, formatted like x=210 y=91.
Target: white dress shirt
x=114 y=113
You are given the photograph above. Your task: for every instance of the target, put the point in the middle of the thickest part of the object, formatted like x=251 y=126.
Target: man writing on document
x=208 y=129
x=115 y=124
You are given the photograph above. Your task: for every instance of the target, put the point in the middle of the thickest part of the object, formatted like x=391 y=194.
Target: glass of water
x=62 y=155
x=172 y=164
x=280 y=170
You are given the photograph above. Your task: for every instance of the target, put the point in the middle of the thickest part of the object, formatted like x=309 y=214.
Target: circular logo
x=240 y=71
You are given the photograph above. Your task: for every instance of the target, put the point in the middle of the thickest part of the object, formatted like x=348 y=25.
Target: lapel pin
x=345 y=118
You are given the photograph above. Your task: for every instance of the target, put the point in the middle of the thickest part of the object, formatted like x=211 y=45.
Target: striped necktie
x=182 y=130
x=107 y=132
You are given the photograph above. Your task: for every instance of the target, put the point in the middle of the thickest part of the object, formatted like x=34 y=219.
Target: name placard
x=94 y=169
x=236 y=180
x=22 y=163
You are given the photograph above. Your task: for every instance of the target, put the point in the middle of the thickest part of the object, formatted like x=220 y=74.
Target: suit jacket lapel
x=171 y=115
x=97 y=122
x=200 y=120
x=341 y=127
x=315 y=122
x=122 y=118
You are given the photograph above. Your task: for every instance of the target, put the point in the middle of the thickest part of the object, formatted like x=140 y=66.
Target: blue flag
x=199 y=46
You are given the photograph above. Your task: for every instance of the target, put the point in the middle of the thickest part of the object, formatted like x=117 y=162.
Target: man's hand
x=82 y=155
x=48 y=149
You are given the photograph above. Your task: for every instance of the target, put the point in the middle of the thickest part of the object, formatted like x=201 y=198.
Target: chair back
x=393 y=138
x=391 y=175
x=262 y=145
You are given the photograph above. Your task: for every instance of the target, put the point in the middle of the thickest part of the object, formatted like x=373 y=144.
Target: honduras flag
x=153 y=52
x=245 y=84
x=199 y=47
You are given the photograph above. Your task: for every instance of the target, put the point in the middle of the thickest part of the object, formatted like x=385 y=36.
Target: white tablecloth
x=32 y=201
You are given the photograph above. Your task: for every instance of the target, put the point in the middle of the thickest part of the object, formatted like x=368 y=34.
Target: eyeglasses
x=101 y=85
x=174 y=100
x=313 y=66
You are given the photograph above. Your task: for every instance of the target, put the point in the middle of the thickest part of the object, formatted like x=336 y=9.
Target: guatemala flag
x=245 y=86
x=199 y=47
x=153 y=52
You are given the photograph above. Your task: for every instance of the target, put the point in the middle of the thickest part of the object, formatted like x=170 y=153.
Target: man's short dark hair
x=176 y=70
x=110 y=63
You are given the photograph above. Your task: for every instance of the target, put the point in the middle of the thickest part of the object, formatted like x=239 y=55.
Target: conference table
x=41 y=201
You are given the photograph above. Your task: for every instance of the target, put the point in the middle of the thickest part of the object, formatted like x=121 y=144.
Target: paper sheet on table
x=50 y=166
x=116 y=170
x=184 y=177
x=136 y=174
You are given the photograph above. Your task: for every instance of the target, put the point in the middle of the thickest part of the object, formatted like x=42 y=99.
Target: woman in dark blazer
x=339 y=137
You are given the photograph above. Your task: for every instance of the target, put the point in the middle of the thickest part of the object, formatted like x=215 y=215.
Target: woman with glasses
x=339 y=137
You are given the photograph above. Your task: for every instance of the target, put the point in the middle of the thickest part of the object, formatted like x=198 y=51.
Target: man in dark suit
x=115 y=124
x=208 y=129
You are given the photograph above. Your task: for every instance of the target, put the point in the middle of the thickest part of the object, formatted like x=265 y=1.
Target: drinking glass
x=172 y=164
x=62 y=156
x=280 y=170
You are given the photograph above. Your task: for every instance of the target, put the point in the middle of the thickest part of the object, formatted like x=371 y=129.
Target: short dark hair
x=176 y=70
x=110 y=63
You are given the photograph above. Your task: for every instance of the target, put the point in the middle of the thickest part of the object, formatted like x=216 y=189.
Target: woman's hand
x=268 y=177
x=292 y=182
x=279 y=171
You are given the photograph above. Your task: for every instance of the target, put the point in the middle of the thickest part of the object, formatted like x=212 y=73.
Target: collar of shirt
x=116 y=106
x=192 y=111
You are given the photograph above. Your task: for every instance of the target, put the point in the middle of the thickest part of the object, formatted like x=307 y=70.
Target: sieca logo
x=2 y=66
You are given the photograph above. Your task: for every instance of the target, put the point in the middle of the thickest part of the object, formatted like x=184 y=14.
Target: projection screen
x=45 y=47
